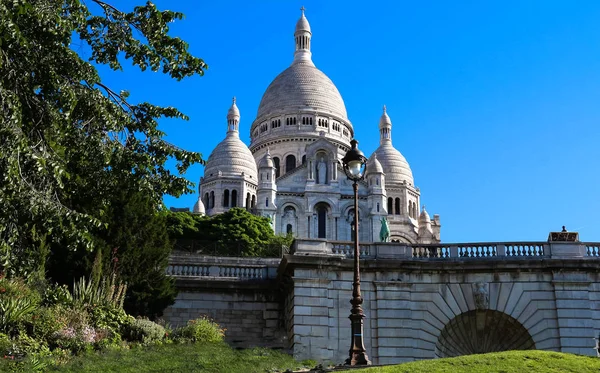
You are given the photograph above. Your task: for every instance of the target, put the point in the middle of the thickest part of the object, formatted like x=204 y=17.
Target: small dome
x=373 y=165
x=231 y=157
x=302 y=24
x=234 y=112
x=266 y=161
x=199 y=207
x=385 y=120
x=394 y=165
x=424 y=217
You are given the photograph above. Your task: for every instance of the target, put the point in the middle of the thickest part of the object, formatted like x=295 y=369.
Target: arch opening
x=480 y=332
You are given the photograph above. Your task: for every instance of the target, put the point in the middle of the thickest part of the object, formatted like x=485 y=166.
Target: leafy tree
x=235 y=232
x=69 y=142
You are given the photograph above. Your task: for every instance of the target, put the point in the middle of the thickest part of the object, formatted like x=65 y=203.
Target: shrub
x=17 y=301
x=145 y=331
x=112 y=318
x=202 y=329
x=44 y=322
x=57 y=294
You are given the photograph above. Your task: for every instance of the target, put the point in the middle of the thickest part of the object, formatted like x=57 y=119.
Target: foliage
x=69 y=142
x=202 y=357
x=235 y=232
x=530 y=361
x=140 y=254
x=17 y=301
x=202 y=329
x=107 y=292
x=56 y=294
x=145 y=331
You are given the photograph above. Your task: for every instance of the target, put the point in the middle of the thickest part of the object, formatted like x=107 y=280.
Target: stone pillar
x=574 y=312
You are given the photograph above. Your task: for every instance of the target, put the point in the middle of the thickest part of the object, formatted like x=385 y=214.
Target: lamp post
x=355 y=165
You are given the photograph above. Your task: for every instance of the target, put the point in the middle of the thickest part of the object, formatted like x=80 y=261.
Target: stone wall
x=408 y=307
x=251 y=318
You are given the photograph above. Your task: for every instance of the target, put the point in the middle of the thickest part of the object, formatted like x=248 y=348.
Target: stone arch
x=290 y=162
x=525 y=301
x=289 y=218
x=482 y=331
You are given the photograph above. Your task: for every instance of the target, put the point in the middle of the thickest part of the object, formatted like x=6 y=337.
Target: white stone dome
x=199 y=207
x=231 y=157
x=302 y=87
x=266 y=161
x=424 y=217
x=374 y=166
x=394 y=165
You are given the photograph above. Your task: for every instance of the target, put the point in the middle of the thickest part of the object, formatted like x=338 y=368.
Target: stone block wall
x=407 y=310
x=252 y=318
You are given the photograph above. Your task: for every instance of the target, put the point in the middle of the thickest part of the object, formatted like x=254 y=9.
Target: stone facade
x=420 y=301
x=303 y=127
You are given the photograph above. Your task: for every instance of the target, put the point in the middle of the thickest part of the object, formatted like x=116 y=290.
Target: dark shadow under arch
x=480 y=332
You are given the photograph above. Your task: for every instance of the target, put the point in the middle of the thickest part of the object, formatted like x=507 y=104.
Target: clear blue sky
x=495 y=105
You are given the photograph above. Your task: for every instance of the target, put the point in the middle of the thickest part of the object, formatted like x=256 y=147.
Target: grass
x=172 y=358
x=501 y=362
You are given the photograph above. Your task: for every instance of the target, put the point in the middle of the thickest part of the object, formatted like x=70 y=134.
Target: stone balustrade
x=222 y=268
x=478 y=250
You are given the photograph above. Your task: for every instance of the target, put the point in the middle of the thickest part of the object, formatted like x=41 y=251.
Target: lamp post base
x=358 y=355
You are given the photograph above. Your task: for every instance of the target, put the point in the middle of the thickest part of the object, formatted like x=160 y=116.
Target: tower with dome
x=291 y=172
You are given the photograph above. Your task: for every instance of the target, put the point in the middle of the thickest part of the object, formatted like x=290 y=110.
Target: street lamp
x=355 y=165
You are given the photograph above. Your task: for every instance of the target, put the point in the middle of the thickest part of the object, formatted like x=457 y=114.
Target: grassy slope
x=207 y=358
x=502 y=362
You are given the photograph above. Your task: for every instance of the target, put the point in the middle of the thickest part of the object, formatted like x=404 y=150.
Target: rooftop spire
x=233 y=118
x=385 y=127
x=302 y=37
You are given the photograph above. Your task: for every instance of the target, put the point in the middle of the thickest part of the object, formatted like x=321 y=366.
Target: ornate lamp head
x=354 y=162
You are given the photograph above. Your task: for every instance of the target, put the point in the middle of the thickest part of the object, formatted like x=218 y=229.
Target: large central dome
x=302 y=87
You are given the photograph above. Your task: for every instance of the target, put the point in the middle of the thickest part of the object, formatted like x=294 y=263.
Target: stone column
x=574 y=312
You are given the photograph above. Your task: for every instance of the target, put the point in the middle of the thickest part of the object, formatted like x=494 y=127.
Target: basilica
x=292 y=171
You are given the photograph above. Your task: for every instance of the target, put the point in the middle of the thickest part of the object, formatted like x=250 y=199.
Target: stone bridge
x=420 y=302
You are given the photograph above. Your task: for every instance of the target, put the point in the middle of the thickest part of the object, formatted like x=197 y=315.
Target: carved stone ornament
x=481 y=295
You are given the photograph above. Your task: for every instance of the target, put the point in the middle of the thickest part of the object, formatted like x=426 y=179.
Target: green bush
x=57 y=294
x=145 y=331
x=17 y=301
x=44 y=322
x=202 y=329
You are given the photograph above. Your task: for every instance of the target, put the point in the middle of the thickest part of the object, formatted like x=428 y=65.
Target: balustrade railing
x=479 y=250
x=347 y=249
x=593 y=249
x=226 y=268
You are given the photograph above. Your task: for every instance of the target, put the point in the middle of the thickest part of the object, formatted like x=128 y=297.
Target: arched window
x=277 y=168
x=226 y=198
x=414 y=210
x=288 y=229
x=390 y=203
x=321 y=210
x=247 y=201
x=410 y=209
x=206 y=201
x=212 y=200
x=304 y=159
x=397 y=206
x=377 y=206
x=376 y=181
x=253 y=202
x=267 y=202
x=234 y=198
x=290 y=163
